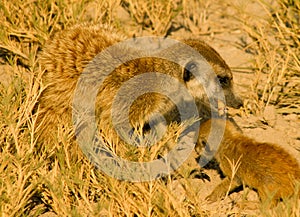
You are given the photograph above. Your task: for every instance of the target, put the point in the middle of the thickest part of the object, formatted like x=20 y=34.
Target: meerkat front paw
x=220 y=191
x=215 y=196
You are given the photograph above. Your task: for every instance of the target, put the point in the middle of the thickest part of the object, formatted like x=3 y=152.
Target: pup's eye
x=206 y=146
x=188 y=71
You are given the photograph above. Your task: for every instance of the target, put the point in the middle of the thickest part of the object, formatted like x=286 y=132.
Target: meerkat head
x=221 y=70
x=202 y=83
x=213 y=127
x=209 y=129
x=190 y=66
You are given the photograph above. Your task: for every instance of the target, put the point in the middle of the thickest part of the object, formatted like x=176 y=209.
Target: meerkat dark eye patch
x=206 y=146
x=224 y=81
x=189 y=69
x=146 y=128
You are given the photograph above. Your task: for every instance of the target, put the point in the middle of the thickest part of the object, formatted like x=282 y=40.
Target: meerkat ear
x=188 y=71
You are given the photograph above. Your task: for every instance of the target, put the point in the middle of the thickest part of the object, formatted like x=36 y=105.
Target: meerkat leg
x=249 y=205
x=267 y=198
x=220 y=191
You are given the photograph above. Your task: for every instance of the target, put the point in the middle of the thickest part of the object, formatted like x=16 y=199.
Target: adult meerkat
x=66 y=55
x=266 y=167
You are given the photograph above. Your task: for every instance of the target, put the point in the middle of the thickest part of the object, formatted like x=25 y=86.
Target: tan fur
x=66 y=55
x=266 y=167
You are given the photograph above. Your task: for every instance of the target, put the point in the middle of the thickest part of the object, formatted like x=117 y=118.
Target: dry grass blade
x=278 y=39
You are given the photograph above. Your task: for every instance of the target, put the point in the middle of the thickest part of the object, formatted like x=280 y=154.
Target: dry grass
x=153 y=15
x=276 y=48
x=39 y=178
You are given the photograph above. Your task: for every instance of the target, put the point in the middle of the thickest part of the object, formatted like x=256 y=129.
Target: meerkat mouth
x=222 y=108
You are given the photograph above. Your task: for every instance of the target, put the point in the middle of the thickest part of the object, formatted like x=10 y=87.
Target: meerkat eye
x=224 y=81
x=205 y=145
x=188 y=71
x=146 y=128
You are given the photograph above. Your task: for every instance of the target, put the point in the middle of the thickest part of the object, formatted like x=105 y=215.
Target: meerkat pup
x=265 y=167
